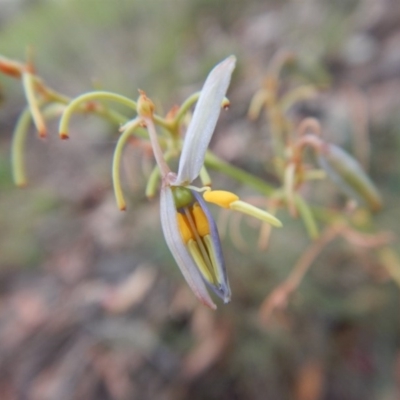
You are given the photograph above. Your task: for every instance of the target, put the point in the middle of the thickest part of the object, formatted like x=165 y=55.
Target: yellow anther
x=208 y=242
x=196 y=253
x=200 y=220
x=184 y=227
x=220 y=197
x=225 y=103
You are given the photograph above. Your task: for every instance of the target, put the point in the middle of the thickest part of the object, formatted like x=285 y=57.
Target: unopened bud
x=348 y=175
x=225 y=103
x=145 y=107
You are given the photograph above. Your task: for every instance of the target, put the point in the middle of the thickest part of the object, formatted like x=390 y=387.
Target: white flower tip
x=228 y=64
x=204 y=120
x=207 y=303
x=231 y=59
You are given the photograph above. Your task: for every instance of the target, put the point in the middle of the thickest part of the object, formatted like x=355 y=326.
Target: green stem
x=186 y=105
x=87 y=97
x=49 y=94
x=19 y=140
x=205 y=176
x=153 y=181
x=238 y=174
x=184 y=108
x=116 y=166
x=28 y=82
x=18 y=148
x=307 y=216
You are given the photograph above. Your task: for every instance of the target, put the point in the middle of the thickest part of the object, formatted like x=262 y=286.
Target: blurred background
x=92 y=305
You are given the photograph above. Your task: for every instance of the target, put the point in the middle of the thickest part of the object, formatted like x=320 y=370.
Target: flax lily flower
x=189 y=228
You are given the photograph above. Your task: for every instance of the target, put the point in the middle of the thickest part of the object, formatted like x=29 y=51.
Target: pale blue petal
x=202 y=125
x=178 y=249
x=222 y=288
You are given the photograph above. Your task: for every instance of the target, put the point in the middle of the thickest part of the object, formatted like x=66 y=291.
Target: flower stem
x=158 y=153
x=28 y=82
x=184 y=108
x=19 y=140
x=307 y=216
x=238 y=174
x=87 y=97
x=153 y=181
x=18 y=147
x=116 y=166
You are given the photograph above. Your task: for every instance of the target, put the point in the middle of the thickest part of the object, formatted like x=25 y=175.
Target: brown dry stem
x=278 y=299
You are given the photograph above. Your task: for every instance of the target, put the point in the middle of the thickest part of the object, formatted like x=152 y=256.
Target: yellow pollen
x=220 y=197
x=200 y=220
x=184 y=228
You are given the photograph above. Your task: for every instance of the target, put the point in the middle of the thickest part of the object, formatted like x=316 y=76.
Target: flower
x=189 y=228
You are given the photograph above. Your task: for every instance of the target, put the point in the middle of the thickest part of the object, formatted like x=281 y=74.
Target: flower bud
x=145 y=107
x=348 y=175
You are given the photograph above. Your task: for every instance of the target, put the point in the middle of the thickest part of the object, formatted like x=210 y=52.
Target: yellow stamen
x=200 y=220
x=184 y=228
x=249 y=209
x=211 y=251
x=220 y=197
x=205 y=177
x=197 y=255
x=204 y=254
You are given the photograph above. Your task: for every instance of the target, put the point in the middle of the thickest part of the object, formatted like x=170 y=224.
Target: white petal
x=204 y=119
x=178 y=249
